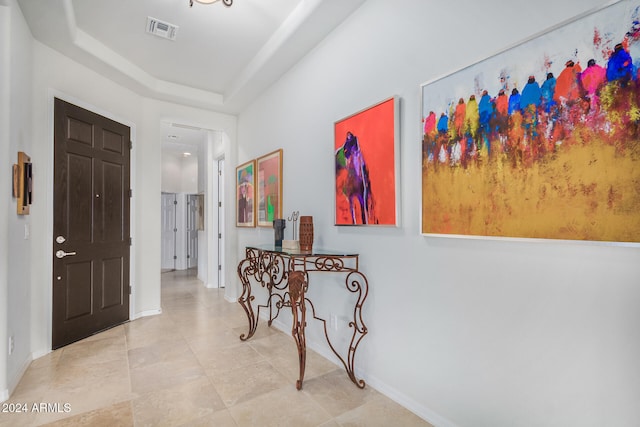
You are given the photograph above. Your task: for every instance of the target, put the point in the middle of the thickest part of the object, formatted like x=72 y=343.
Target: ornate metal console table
x=285 y=275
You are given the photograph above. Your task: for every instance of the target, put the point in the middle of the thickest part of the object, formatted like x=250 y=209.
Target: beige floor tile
x=217 y=361
x=86 y=388
x=206 y=344
x=315 y=365
x=165 y=374
x=165 y=350
x=380 y=412
x=34 y=384
x=280 y=408
x=95 y=350
x=272 y=345
x=218 y=419
x=48 y=360
x=149 y=330
x=202 y=327
x=237 y=320
x=19 y=416
x=117 y=415
x=177 y=405
x=80 y=376
x=245 y=383
x=115 y=331
x=336 y=393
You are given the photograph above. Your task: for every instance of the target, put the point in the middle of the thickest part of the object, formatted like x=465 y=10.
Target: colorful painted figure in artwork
x=355 y=185
x=525 y=126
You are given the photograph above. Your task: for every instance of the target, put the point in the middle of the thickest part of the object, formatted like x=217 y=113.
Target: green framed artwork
x=269 y=188
x=245 y=194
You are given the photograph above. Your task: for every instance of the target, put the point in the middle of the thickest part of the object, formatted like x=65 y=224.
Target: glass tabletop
x=294 y=252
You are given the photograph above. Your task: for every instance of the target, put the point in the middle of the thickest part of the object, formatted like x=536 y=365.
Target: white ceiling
x=222 y=58
x=178 y=139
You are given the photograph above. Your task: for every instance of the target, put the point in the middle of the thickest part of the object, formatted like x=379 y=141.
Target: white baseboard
x=146 y=314
x=228 y=299
x=413 y=406
x=4 y=395
x=38 y=354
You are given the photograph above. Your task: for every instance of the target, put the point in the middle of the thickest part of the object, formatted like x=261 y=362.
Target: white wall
x=17 y=74
x=171 y=173
x=179 y=174
x=190 y=174
x=5 y=182
x=464 y=332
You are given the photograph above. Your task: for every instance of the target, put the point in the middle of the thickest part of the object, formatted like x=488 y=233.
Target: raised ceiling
x=221 y=59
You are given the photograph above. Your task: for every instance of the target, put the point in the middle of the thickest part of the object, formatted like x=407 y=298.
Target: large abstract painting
x=269 y=188
x=366 y=160
x=541 y=140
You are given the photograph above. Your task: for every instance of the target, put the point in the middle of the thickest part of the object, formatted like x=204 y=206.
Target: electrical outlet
x=11 y=344
x=334 y=322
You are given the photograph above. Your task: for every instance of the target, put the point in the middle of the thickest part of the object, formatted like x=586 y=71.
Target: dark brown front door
x=90 y=223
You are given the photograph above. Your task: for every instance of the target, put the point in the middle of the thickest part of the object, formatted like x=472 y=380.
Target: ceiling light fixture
x=227 y=3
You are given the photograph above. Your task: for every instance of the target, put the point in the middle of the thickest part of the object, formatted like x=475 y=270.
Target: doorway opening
x=192 y=174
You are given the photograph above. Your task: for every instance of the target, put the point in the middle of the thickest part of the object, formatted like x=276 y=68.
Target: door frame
x=48 y=291
x=221 y=218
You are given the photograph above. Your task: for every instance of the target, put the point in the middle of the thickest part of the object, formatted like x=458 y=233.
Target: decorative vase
x=306 y=233
x=278 y=227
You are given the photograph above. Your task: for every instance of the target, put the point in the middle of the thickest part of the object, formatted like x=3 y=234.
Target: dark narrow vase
x=278 y=228
x=306 y=233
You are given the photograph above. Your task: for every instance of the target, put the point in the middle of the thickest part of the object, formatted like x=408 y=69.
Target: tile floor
x=187 y=367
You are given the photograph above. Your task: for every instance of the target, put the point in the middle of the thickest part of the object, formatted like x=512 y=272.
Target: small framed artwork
x=367 y=166
x=245 y=194
x=16 y=181
x=269 y=196
x=200 y=211
x=24 y=177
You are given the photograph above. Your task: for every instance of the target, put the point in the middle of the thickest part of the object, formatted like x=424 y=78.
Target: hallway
x=187 y=367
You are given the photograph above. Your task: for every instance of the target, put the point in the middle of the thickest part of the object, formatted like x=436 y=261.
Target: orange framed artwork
x=366 y=166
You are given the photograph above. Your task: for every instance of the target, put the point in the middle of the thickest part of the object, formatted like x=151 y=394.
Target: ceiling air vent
x=161 y=28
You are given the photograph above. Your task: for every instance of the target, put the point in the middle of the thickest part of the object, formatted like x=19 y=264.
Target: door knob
x=60 y=239
x=62 y=254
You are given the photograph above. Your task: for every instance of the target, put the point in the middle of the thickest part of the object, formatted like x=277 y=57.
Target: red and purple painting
x=366 y=166
x=541 y=140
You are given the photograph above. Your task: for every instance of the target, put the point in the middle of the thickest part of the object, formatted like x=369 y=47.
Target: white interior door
x=192 y=231
x=169 y=230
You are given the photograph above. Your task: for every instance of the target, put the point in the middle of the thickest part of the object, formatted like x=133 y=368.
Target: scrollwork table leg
x=246 y=268
x=297 y=286
x=356 y=283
